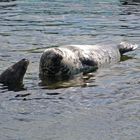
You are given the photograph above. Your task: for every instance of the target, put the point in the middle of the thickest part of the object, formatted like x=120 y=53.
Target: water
x=105 y=106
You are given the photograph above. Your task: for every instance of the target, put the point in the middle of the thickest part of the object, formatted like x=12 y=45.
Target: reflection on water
x=104 y=105
x=75 y=81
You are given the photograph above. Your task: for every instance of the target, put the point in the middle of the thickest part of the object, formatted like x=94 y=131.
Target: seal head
x=13 y=76
x=50 y=63
x=59 y=63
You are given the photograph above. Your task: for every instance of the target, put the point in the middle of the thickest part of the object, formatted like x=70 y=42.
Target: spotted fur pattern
x=73 y=59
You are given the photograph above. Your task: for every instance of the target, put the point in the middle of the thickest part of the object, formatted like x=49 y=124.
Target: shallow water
x=103 y=106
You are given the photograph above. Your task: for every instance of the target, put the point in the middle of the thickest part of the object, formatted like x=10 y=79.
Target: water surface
x=104 y=106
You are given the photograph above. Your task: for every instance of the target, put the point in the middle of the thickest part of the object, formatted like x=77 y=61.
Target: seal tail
x=126 y=47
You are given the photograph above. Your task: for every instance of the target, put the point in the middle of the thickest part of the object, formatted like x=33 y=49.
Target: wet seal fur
x=13 y=76
x=69 y=60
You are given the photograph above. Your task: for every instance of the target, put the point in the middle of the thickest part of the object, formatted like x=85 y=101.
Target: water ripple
x=107 y=101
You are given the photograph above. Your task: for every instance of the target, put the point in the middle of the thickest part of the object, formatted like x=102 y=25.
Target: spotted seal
x=73 y=59
x=13 y=76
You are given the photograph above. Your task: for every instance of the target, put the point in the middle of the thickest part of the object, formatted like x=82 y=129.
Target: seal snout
x=25 y=62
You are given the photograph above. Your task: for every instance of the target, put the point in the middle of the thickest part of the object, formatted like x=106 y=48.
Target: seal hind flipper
x=126 y=47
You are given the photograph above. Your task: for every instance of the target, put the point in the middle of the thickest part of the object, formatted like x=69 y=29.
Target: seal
x=65 y=61
x=13 y=76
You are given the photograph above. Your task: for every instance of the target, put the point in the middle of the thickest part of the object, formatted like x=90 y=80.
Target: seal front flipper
x=12 y=77
x=89 y=65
